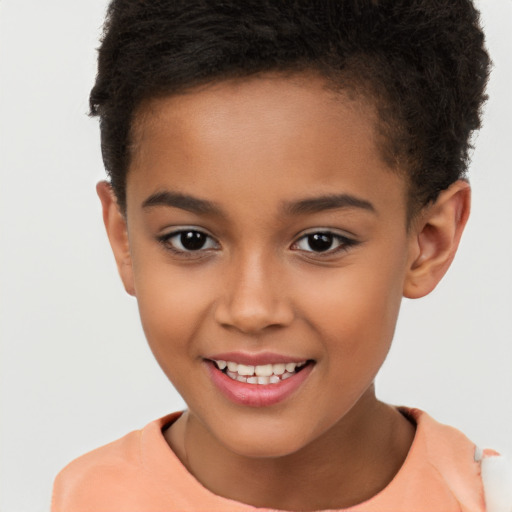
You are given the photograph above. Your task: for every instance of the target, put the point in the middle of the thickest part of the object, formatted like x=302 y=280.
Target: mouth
x=263 y=374
x=258 y=381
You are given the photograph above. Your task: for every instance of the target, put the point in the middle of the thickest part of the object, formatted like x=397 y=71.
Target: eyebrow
x=182 y=201
x=300 y=207
x=327 y=202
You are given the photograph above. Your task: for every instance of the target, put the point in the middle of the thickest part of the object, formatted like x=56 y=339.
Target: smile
x=258 y=380
x=259 y=374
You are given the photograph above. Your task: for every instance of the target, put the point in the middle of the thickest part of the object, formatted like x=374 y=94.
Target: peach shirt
x=140 y=473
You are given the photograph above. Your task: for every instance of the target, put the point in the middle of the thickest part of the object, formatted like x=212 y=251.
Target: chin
x=264 y=449
x=274 y=442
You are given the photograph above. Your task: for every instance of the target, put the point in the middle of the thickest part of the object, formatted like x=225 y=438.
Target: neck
x=347 y=465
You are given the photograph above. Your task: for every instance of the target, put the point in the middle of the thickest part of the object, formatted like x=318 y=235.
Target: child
x=281 y=175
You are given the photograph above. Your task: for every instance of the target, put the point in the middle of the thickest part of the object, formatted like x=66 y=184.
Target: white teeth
x=259 y=374
x=264 y=370
x=246 y=370
x=279 y=369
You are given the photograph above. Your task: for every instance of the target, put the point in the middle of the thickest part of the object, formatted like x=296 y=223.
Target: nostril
x=249 y=320
x=250 y=314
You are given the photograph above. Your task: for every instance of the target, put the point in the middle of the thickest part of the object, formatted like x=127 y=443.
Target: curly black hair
x=422 y=62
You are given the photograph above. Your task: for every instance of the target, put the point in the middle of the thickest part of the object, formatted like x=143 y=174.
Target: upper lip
x=256 y=358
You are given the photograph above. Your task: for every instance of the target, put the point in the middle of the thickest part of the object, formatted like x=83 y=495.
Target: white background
x=76 y=371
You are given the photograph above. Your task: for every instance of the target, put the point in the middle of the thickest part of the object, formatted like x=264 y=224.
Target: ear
x=115 y=224
x=437 y=233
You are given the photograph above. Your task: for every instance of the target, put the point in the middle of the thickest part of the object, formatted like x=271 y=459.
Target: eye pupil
x=192 y=240
x=320 y=242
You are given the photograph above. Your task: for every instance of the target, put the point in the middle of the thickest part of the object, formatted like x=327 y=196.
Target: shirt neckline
x=159 y=459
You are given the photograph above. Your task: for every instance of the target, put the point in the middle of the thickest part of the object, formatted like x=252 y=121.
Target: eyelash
x=166 y=241
x=344 y=243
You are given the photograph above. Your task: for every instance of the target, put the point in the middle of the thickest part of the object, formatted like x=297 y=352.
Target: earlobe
x=437 y=234
x=115 y=224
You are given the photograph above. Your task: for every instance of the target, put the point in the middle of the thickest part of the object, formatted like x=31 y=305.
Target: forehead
x=274 y=101
x=264 y=137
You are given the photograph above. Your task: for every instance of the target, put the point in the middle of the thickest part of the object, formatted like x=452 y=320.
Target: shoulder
x=444 y=446
x=101 y=470
x=110 y=476
x=474 y=476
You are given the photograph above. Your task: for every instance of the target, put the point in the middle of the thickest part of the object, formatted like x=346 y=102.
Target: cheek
x=172 y=303
x=353 y=303
x=354 y=311
x=355 y=325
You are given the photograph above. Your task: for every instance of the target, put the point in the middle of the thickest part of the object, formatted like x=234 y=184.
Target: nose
x=253 y=298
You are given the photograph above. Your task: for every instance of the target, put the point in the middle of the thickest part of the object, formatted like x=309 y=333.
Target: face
x=268 y=253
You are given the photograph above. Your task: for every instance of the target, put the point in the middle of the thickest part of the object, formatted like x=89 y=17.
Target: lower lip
x=257 y=395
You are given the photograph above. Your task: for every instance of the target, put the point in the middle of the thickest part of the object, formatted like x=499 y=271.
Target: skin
x=250 y=147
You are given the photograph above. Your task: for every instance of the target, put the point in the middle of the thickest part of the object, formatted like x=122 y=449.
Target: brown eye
x=188 y=240
x=320 y=242
x=192 y=240
x=323 y=242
